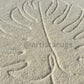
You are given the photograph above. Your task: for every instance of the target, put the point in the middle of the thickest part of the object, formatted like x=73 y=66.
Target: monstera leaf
x=37 y=29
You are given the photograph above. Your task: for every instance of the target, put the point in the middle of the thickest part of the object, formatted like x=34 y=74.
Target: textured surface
x=41 y=42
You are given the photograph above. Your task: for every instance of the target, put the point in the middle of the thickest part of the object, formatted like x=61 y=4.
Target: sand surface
x=41 y=42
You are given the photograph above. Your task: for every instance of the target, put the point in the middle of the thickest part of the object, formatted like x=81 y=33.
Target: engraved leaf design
x=53 y=22
x=67 y=31
x=51 y=62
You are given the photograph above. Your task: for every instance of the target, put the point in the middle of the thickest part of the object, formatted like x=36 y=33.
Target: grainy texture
x=41 y=42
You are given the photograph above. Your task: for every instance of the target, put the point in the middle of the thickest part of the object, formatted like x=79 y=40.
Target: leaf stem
x=49 y=43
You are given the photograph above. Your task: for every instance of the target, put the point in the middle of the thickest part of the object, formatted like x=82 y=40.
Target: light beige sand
x=41 y=42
